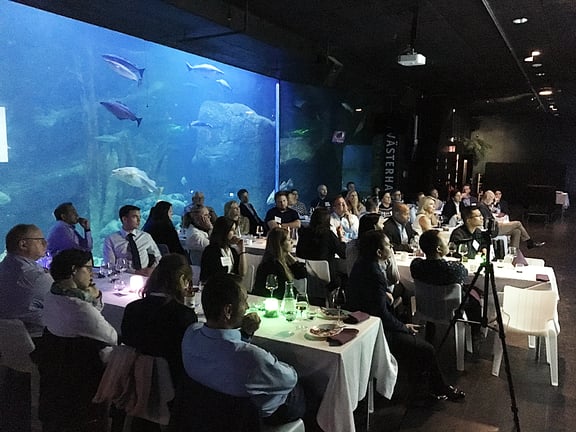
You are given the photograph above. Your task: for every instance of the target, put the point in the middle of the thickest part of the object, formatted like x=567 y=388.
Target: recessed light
x=537 y=65
x=541 y=74
x=522 y=20
x=546 y=92
x=529 y=59
x=536 y=53
x=358 y=110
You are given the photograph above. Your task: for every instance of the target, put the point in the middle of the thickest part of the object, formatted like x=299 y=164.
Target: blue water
x=63 y=144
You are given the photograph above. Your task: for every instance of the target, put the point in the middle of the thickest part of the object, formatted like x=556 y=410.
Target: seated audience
x=354 y=204
x=197 y=226
x=500 y=207
x=451 y=210
x=131 y=243
x=386 y=205
x=279 y=261
x=368 y=222
x=63 y=234
x=281 y=214
x=369 y=292
x=435 y=270
x=225 y=253
x=322 y=199
x=160 y=226
x=514 y=229
x=439 y=204
x=425 y=217
x=398 y=229
x=69 y=359
x=293 y=203
x=371 y=205
x=397 y=196
x=23 y=287
x=248 y=210
x=155 y=324
x=342 y=218
x=198 y=201
x=467 y=198
x=470 y=233
x=232 y=211
x=218 y=356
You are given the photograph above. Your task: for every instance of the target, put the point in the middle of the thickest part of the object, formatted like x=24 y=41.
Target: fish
x=224 y=83
x=300 y=132
x=285 y=185
x=347 y=107
x=206 y=70
x=183 y=181
x=198 y=123
x=137 y=178
x=121 y=111
x=124 y=67
x=4 y=198
x=360 y=126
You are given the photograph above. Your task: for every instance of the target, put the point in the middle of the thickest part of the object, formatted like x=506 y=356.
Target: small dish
x=323 y=331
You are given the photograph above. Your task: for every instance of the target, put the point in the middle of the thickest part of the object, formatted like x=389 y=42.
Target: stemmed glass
x=463 y=251
x=105 y=269
x=259 y=231
x=451 y=248
x=339 y=300
x=121 y=265
x=271 y=284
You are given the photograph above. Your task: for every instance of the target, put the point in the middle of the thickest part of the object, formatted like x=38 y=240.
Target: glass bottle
x=289 y=302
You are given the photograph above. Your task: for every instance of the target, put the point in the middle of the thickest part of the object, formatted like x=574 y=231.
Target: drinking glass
x=259 y=231
x=339 y=300
x=463 y=251
x=105 y=269
x=121 y=265
x=271 y=284
x=451 y=248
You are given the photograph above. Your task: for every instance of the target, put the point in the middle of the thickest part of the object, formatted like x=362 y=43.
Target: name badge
x=226 y=261
x=476 y=245
x=277 y=220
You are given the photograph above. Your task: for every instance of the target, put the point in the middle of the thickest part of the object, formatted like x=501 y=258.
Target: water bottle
x=288 y=307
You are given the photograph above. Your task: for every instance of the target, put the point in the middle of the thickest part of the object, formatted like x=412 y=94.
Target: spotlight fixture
x=541 y=74
x=535 y=53
x=536 y=65
x=521 y=20
x=545 y=92
x=529 y=59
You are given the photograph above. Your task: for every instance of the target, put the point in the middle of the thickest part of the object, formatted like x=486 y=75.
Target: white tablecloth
x=341 y=374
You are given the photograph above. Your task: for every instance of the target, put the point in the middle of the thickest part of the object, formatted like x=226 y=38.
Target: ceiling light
x=536 y=53
x=522 y=20
x=545 y=92
x=529 y=59
x=358 y=110
x=540 y=74
x=537 y=65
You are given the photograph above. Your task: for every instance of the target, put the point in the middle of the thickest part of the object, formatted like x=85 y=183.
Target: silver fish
x=4 y=198
x=124 y=67
x=224 y=83
x=137 y=178
x=198 y=123
x=207 y=70
x=121 y=111
x=183 y=181
x=285 y=185
x=347 y=107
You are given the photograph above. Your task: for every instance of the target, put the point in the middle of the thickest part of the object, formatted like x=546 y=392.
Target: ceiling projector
x=412 y=59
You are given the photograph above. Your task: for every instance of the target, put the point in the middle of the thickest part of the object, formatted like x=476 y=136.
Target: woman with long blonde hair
x=426 y=217
x=354 y=204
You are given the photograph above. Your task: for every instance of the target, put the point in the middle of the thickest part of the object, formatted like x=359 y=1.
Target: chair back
x=201 y=409
x=15 y=346
x=195 y=274
x=536 y=262
x=301 y=285
x=437 y=302
x=248 y=278
x=528 y=311
x=318 y=277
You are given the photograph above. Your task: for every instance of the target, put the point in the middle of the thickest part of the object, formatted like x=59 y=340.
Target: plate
x=323 y=331
x=332 y=313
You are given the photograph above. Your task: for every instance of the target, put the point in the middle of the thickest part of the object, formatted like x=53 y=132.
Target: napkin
x=343 y=337
x=519 y=259
x=542 y=278
x=356 y=317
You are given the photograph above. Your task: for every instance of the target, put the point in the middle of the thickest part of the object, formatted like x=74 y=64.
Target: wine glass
x=271 y=283
x=121 y=265
x=105 y=269
x=451 y=248
x=259 y=231
x=463 y=251
x=339 y=300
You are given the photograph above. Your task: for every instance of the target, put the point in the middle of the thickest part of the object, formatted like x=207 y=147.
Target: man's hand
x=250 y=323
x=413 y=328
x=84 y=223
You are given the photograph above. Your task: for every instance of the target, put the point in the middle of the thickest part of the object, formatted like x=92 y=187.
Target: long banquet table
x=340 y=374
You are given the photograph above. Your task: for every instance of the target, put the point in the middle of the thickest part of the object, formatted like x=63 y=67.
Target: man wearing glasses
x=471 y=232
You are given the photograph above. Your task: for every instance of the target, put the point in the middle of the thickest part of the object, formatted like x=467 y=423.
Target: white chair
x=295 y=426
x=252 y=259
x=248 y=278
x=536 y=262
x=318 y=278
x=16 y=346
x=301 y=285
x=437 y=303
x=530 y=312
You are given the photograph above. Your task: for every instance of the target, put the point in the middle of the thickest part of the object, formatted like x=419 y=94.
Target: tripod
x=489 y=284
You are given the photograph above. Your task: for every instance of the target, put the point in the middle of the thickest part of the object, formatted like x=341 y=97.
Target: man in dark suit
x=467 y=198
x=500 y=205
x=398 y=228
x=248 y=210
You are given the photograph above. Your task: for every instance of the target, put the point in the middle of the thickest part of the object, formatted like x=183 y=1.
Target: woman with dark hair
x=159 y=225
x=386 y=205
x=278 y=260
x=318 y=242
x=225 y=253
x=370 y=293
x=232 y=211
x=156 y=324
x=69 y=354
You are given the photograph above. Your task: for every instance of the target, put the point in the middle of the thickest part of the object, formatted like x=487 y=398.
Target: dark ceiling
x=474 y=53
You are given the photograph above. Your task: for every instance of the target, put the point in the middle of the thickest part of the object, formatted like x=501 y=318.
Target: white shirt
x=349 y=224
x=196 y=239
x=116 y=246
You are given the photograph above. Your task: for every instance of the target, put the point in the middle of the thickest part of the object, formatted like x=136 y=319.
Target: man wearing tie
x=131 y=243
x=399 y=229
x=248 y=210
x=63 y=235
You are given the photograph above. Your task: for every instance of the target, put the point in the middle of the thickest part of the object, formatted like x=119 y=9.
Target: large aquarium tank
x=103 y=119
